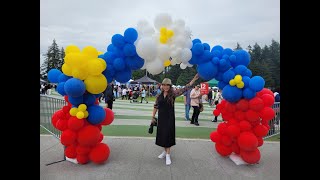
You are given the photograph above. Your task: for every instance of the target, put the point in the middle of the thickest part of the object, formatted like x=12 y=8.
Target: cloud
x=94 y=22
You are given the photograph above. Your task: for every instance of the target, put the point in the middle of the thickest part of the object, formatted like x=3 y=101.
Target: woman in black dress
x=166 y=132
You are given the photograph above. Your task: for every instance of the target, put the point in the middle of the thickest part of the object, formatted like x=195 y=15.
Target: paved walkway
x=136 y=159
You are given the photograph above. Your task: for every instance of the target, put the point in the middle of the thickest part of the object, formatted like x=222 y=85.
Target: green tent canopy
x=213 y=82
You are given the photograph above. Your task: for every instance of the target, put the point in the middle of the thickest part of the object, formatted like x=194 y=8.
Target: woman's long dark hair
x=170 y=95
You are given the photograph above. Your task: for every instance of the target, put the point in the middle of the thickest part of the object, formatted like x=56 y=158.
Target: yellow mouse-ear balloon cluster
x=167 y=63
x=82 y=111
x=85 y=65
x=165 y=34
x=237 y=81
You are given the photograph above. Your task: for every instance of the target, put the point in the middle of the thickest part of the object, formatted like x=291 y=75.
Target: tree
x=238 y=47
x=275 y=60
x=186 y=76
x=62 y=55
x=52 y=59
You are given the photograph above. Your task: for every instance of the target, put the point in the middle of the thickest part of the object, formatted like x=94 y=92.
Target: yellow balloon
x=90 y=51
x=73 y=111
x=70 y=58
x=86 y=114
x=163 y=31
x=104 y=64
x=238 y=79
x=80 y=73
x=80 y=115
x=82 y=107
x=95 y=67
x=163 y=39
x=232 y=82
x=100 y=52
x=167 y=63
x=170 y=33
x=72 y=49
x=240 y=85
x=95 y=84
x=66 y=69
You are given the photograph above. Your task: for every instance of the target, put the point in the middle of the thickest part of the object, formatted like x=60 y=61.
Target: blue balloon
x=248 y=73
x=227 y=51
x=63 y=78
x=232 y=58
x=76 y=101
x=101 y=56
x=130 y=35
x=219 y=76
x=225 y=57
x=241 y=69
x=228 y=75
x=111 y=48
x=196 y=41
x=89 y=99
x=231 y=93
x=216 y=54
x=256 y=83
x=246 y=81
x=123 y=76
x=109 y=57
x=129 y=50
x=217 y=48
x=118 y=40
x=222 y=62
x=119 y=64
x=96 y=114
x=119 y=53
x=215 y=60
x=197 y=49
x=53 y=75
x=60 y=89
x=221 y=84
x=248 y=93
x=207 y=70
x=226 y=66
x=194 y=59
x=134 y=62
x=206 y=46
x=110 y=71
x=242 y=58
x=97 y=95
x=74 y=87
x=109 y=78
x=205 y=57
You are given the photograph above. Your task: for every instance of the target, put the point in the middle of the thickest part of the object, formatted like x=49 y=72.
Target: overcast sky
x=216 y=22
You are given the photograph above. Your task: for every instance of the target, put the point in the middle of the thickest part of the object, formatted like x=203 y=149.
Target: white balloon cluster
x=168 y=42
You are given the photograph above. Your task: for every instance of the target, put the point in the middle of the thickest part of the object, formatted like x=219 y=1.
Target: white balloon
x=189 y=65
x=155 y=67
x=188 y=43
x=186 y=55
x=180 y=41
x=163 y=51
x=173 y=53
x=174 y=61
x=183 y=66
x=179 y=23
x=144 y=65
x=162 y=20
x=146 y=48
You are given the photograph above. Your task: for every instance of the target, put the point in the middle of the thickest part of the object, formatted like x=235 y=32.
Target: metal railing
x=275 y=122
x=48 y=106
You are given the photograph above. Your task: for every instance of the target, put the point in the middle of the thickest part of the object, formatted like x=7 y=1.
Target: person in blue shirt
x=187 y=100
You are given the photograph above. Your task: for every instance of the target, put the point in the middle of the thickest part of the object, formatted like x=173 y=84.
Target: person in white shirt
x=143 y=95
x=124 y=93
x=195 y=96
x=217 y=100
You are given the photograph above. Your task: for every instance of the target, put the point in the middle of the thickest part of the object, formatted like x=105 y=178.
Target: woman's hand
x=194 y=79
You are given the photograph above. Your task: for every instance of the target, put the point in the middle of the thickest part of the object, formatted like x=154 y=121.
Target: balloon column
x=81 y=82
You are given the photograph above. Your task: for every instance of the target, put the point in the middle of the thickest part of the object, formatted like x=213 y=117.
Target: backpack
x=277 y=98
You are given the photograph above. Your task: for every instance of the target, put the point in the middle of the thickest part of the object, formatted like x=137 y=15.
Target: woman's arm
x=178 y=92
x=155 y=109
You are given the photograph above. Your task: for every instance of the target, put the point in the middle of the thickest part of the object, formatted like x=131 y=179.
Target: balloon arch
x=246 y=108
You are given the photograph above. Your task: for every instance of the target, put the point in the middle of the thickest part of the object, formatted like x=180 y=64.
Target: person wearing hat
x=164 y=104
x=195 y=96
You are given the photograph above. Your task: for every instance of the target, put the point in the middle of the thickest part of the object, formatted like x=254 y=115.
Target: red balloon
x=256 y=104
x=233 y=121
x=230 y=107
x=235 y=148
x=223 y=103
x=68 y=137
x=70 y=151
x=99 y=153
x=251 y=157
x=264 y=91
x=254 y=124
x=240 y=115
x=109 y=117
x=100 y=137
x=264 y=122
x=268 y=100
x=66 y=98
x=61 y=114
x=267 y=126
x=219 y=107
x=222 y=128
x=245 y=126
x=226 y=140
x=252 y=116
x=260 y=130
x=233 y=131
x=75 y=124
x=216 y=112
x=267 y=113
x=242 y=105
x=83 y=150
x=82 y=159
x=97 y=101
x=223 y=150
x=54 y=120
x=247 y=141
x=260 y=141
x=226 y=116
x=62 y=124
x=88 y=135
x=99 y=126
x=215 y=137
x=66 y=109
